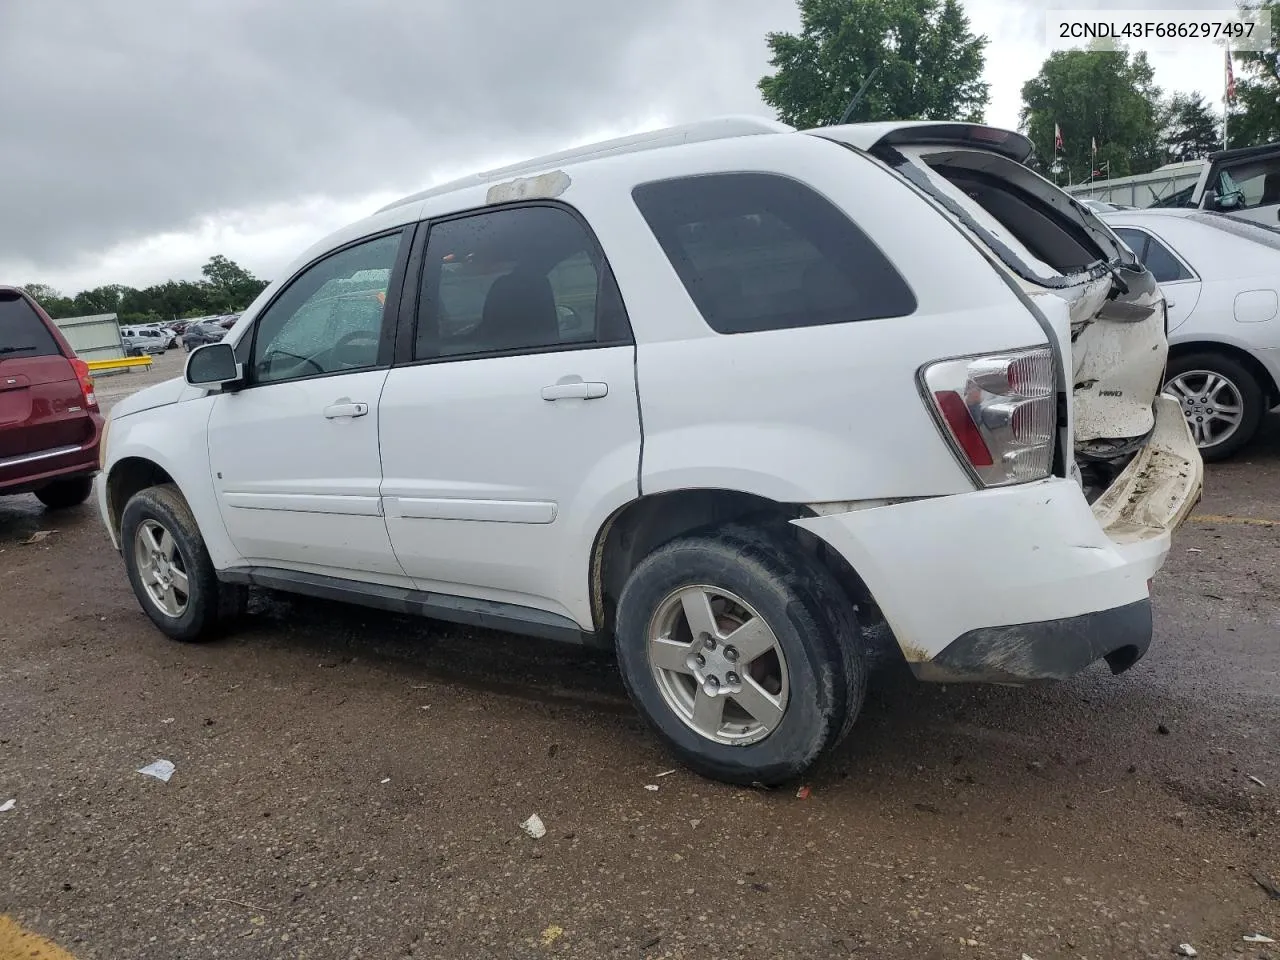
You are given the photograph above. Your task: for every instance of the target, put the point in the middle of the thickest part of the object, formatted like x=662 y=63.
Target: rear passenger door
x=509 y=426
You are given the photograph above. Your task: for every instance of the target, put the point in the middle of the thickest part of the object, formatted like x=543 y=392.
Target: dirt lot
x=351 y=784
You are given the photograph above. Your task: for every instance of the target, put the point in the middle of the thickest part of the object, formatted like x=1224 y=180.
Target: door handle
x=575 y=390
x=344 y=409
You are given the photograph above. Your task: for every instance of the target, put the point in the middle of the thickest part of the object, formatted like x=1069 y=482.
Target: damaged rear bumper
x=1029 y=582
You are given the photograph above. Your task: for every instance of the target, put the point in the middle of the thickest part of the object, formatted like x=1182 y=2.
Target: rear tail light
x=86 y=382
x=997 y=412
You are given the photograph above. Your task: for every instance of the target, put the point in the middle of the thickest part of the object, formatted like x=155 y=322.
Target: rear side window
x=1157 y=258
x=519 y=280
x=22 y=332
x=758 y=251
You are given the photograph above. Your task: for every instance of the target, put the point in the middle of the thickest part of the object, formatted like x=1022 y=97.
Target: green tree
x=930 y=63
x=232 y=287
x=1097 y=95
x=54 y=303
x=1255 y=115
x=1191 y=129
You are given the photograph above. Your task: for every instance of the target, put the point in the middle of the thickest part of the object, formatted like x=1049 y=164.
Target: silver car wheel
x=718 y=665
x=160 y=568
x=1213 y=405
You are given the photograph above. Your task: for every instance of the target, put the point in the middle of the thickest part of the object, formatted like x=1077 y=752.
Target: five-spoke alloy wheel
x=742 y=652
x=1221 y=399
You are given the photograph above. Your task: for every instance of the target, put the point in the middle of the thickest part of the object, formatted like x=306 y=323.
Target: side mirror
x=213 y=365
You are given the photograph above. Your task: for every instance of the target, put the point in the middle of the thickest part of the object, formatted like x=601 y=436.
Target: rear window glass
x=23 y=333
x=759 y=252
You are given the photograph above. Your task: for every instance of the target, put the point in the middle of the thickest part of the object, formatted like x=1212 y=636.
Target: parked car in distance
x=167 y=332
x=1243 y=182
x=49 y=419
x=1221 y=277
x=143 y=340
x=734 y=400
x=199 y=334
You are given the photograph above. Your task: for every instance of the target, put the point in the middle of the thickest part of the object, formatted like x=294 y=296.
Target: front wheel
x=170 y=569
x=1221 y=399
x=741 y=652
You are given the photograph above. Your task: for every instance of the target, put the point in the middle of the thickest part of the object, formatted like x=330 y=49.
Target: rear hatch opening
x=1130 y=450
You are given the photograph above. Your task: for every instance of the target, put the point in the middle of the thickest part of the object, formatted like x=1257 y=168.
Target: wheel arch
x=639 y=527
x=126 y=477
x=1266 y=379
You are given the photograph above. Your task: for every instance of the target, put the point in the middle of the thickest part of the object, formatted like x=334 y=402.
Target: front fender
x=175 y=438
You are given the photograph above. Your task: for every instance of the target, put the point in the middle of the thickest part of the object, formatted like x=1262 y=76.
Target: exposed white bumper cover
x=1026 y=582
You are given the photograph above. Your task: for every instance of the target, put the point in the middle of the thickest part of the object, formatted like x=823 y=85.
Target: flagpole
x=1229 y=82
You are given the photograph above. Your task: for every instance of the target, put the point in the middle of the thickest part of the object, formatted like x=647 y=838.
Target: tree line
x=227 y=287
x=923 y=61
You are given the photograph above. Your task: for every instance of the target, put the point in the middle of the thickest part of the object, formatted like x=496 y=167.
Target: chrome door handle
x=575 y=390
x=344 y=408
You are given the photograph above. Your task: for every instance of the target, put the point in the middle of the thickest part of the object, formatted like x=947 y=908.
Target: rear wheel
x=1221 y=399
x=170 y=569
x=62 y=494
x=741 y=652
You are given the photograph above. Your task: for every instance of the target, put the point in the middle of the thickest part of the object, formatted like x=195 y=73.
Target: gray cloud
x=122 y=121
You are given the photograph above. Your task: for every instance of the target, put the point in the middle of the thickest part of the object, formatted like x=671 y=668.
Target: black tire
x=64 y=494
x=209 y=604
x=1245 y=384
x=810 y=617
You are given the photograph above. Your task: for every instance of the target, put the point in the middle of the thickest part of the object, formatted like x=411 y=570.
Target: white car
x=139 y=340
x=733 y=399
x=1221 y=276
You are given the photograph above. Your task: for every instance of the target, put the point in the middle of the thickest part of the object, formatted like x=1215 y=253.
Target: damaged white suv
x=737 y=400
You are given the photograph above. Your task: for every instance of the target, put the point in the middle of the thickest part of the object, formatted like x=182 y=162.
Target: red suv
x=50 y=424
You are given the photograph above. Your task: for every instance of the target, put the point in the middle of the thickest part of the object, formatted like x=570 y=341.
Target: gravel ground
x=351 y=784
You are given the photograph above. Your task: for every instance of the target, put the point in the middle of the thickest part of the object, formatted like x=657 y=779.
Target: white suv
x=734 y=399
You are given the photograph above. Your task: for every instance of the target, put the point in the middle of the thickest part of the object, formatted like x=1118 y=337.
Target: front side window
x=759 y=251
x=517 y=280
x=329 y=319
x=1157 y=258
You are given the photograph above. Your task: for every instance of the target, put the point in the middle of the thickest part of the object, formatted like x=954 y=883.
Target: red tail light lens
x=998 y=413
x=86 y=382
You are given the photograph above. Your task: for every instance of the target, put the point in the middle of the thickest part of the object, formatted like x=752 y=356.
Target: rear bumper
x=1026 y=582
x=39 y=469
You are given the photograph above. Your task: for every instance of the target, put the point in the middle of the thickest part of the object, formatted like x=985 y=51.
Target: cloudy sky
x=139 y=138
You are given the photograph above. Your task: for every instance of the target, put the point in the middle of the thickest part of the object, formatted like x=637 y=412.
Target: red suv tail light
x=86 y=383
x=997 y=412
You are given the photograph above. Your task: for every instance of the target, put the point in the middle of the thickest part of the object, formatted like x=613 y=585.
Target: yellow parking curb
x=1246 y=521
x=19 y=944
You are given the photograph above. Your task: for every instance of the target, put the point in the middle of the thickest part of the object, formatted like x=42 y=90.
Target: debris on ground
x=1164 y=732
x=1258 y=938
x=7 y=806
x=386 y=780
x=803 y=793
x=666 y=773
x=534 y=827
x=167 y=720
x=161 y=770
x=552 y=934
x=1254 y=779
x=1186 y=950
x=651 y=787
x=36 y=537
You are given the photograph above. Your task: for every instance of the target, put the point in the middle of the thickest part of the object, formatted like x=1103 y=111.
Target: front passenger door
x=295 y=452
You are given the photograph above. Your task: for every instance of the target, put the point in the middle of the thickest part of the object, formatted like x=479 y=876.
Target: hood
x=159 y=395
